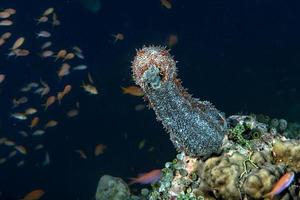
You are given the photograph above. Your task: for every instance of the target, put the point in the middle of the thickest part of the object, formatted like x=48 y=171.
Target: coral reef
x=241 y=157
x=246 y=168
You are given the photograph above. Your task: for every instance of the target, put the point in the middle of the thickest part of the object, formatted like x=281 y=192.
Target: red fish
x=283 y=183
x=147 y=178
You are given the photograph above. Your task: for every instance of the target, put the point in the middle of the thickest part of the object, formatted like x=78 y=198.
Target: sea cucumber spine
x=195 y=127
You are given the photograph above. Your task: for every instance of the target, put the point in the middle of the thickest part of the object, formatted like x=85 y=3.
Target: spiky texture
x=195 y=127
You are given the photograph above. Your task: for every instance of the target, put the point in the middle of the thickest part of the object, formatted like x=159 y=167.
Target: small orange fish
x=21 y=149
x=69 y=56
x=34 y=195
x=118 y=36
x=283 y=183
x=30 y=111
x=47 y=54
x=89 y=88
x=172 y=40
x=99 y=149
x=18 y=43
x=147 y=178
x=4 y=15
x=49 y=102
x=133 y=90
x=61 y=54
x=51 y=124
x=2 y=41
x=9 y=143
x=6 y=35
x=42 y=19
x=19 y=52
x=81 y=154
x=11 y=11
x=67 y=89
x=2 y=77
x=72 y=113
x=64 y=70
x=34 y=122
x=166 y=3
x=6 y=22
x=48 y=11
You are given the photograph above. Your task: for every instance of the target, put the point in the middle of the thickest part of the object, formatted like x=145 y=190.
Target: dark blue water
x=242 y=56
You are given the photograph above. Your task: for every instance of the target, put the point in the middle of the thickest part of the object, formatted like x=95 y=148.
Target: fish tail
x=124 y=90
x=269 y=195
x=132 y=181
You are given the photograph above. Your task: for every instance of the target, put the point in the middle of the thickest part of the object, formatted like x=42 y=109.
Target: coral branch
x=195 y=127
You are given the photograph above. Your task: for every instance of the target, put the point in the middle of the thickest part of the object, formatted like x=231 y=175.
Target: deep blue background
x=243 y=56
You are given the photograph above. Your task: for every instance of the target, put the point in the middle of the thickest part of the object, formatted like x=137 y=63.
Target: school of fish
x=33 y=112
x=37 y=102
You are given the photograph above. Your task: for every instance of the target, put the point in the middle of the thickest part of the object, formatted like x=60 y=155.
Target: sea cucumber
x=195 y=127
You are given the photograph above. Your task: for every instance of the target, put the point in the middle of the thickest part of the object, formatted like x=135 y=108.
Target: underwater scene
x=149 y=100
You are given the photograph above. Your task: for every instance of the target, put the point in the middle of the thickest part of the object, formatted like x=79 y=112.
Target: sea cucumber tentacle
x=195 y=127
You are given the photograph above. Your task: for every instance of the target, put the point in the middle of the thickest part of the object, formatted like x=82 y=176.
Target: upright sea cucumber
x=195 y=127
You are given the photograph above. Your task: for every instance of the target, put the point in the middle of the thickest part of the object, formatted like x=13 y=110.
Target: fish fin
x=269 y=195
x=124 y=90
x=132 y=181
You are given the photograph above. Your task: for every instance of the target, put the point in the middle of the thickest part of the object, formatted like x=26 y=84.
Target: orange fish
x=18 y=52
x=4 y=15
x=61 y=54
x=67 y=89
x=64 y=70
x=2 y=77
x=49 y=102
x=51 y=124
x=69 y=56
x=18 y=43
x=172 y=40
x=89 y=88
x=166 y=3
x=6 y=35
x=34 y=122
x=6 y=22
x=147 y=178
x=81 y=153
x=48 y=11
x=34 y=195
x=11 y=11
x=72 y=113
x=133 y=90
x=42 y=19
x=21 y=149
x=2 y=41
x=283 y=183
x=99 y=149
x=118 y=36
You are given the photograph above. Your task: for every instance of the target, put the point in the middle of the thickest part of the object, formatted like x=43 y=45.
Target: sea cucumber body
x=195 y=127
